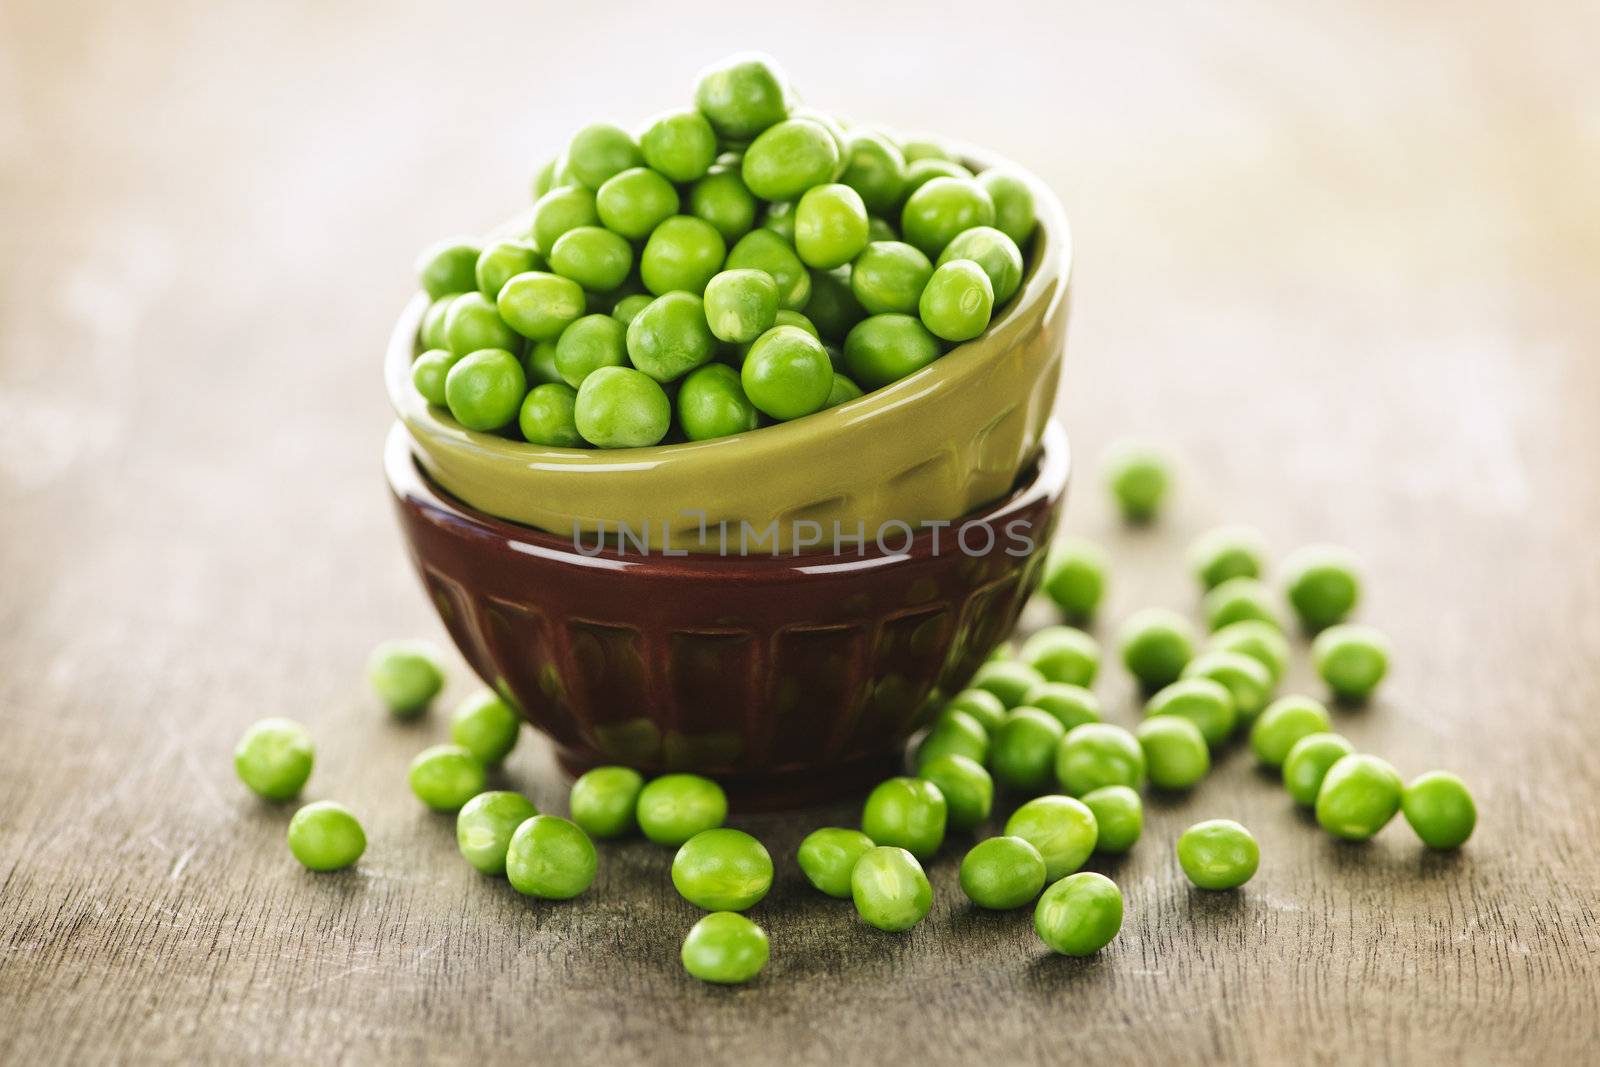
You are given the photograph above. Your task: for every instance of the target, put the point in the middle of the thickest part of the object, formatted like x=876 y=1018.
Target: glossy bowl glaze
x=936 y=445
x=789 y=678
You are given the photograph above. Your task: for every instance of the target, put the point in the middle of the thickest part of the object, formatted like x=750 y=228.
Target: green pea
x=840 y=139
x=619 y=407
x=828 y=856
x=484 y=390
x=540 y=305
x=628 y=308
x=1007 y=679
x=833 y=307
x=1080 y=915
x=1358 y=797
x=885 y=348
x=603 y=801
x=406 y=675
x=1351 y=659
x=1228 y=552
x=830 y=226
x=890 y=889
x=680 y=144
x=1240 y=600
x=1138 y=477
x=597 y=152
x=682 y=253
x=788 y=158
x=1075 y=577
x=544 y=179
x=473 y=324
x=1097 y=754
x=1261 y=641
x=725 y=948
x=1061 y=828
x=670 y=337
x=1002 y=873
x=444 y=777
x=1245 y=679
x=547 y=416
x=592 y=256
x=274 y=758
x=634 y=202
x=1440 y=809
x=889 y=276
x=428 y=374
x=906 y=812
x=785 y=317
x=1118 y=817
x=925 y=149
x=540 y=363
x=721 y=199
x=920 y=172
x=1307 y=764
x=1063 y=654
x=675 y=807
x=1323 y=584
x=550 y=858
x=431 y=333
x=957 y=302
x=1024 y=749
x=1071 y=705
x=993 y=251
x=1156 y=645
x=448 y=267
x=722 y=870
x=485 y=726
x=588 y=344
x=986 y=708
x=1175 y=752
x=485 y=825
x=874 y=168
x=1218 y=854
x=941 y=208
x=764 y=250
x=711 y=403
x=967 y=789
x=779 y=218
x=955 y=732
x=560 y=210
x=500 y=262
x=1013 y=203
x=741 y=304
x=1206 y=703
x=742 y=95
x=325 y=836
x=1285 y=722
x=787 y=373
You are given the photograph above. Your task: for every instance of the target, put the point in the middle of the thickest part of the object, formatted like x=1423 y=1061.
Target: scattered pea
x=1261 y=641
x=484 y=827
x=1002 y=873
x=1228 y=552
x=956 y=733
x=1024 y=750
x=988 y=709
x=486 y=726
x=1218 y=854
x=1075 y=578
x=1240 y=600
x=1352 y=659
x=1243 y=677
x=1063 y=654
x=1118 y=817
x=725 y=948
x=890 y=889
x=1358 y=797
x=1139 y=477
x=1097 y=754
x=1061 y=828
x=742 y=95
x=1440 y=809
x=445 y=777
x=406 y=675
x=722 y=870
x=1156 y=646
x=1203 y=702
x=966 y=787
x=1007 y=679
x=274 y=758
x=603 y=801
x=1322 y=583
x=325 y=836
x=1071 y=705
x=909 y=813
x=1079 y=915
x=550 y=857
x=1175 y=752
x=828 y=856
x=1307 y=764
x=675 y=807
x=1286 y=721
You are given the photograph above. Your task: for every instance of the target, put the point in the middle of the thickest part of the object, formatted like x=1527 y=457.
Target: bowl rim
x=1052 y=246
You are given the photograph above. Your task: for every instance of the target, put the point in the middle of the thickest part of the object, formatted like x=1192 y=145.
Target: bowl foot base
x=780 y=790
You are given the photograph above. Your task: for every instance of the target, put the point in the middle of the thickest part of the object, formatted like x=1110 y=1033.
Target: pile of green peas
x=739 y=262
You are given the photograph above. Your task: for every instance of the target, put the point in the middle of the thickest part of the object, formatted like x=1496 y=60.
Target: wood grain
x=1342 y=263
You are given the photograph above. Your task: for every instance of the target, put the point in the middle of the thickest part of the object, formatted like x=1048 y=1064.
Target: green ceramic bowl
x=932 y=447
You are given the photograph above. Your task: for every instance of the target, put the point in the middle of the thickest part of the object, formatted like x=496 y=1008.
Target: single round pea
x=1008 y=680
x=1218 y=854
x=1285 y=722
x=765 y=250
x=920 y=172
x=485 y=825
x=721 y=199
x=788 y=158
x=1307 y=764
x=1138 y=477
x=984 y=707
x=560 y=210
x=682 y=253
x=1261 y=641
x=906 y=812
x=1013 y=203
x=1071 y=705
x=1075 y=578
x=588 y=344
x=484 y=389
x=680 y=144
x=828 y=856
x=1228 y=552
x=1024 y=749
x=473 y=324
x=1245 y=679
x=1118 y=817
x=603 y=801
x=547 y=416
x=551 y=858
x=833 y=307
x=890 y=889
x=1097 y=754
x=830 y=226
x=741 y=305
x=325 y=836
x=634 y=202
x=889 y=276
x=1063 y=654
x=787 y=373
x=597 y=152
x=619 y=407
x=955 y=732
x=1351 y=659
x=485 y=726
x=1240 y=600
x=1206 y=703
x=967 y=788
x=540 y=363
x=1175 y=752
x=444 y=777
x=1440 y=809
x=448 y=267
x=725 y=948
x=722 y=870
x=941 y=208
x=957 y=302
x=1079 y=915
x=1156 y=645
x=1358 y=797
x=500 y=262
x=711 y=403
x=592 y=256
x=742 y=95
x=274 y=758
x=993 y=251
x=540 y=305
x=406 y=675
x=1002 y=873
x=885 y=348
x=628 y=308
x=874 y=168
x=1323 y=584
x=431 y=333
x=675 y=807
x=428 y=374
x=1061 y=828
x=923 y=148
x=670 y=337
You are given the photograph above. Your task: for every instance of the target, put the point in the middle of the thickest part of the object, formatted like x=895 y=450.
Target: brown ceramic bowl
x=790 y=679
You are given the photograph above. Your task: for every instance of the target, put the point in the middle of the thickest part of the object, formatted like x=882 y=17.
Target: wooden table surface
x=1344 y=265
